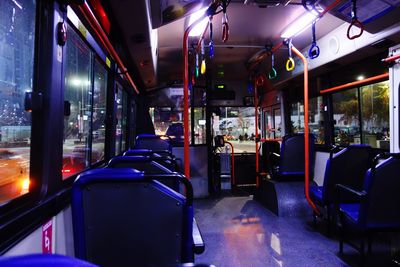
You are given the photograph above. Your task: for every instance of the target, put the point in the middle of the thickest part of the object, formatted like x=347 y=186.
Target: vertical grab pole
x=258 y=82
x=306 y=132
x=232 y=162
x=186 y=158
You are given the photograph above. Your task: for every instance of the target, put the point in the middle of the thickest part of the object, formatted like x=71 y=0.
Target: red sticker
x=47 y=232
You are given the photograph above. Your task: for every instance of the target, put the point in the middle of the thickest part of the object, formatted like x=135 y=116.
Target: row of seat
x=131 y=213
x=286 y=162
x=360 y=192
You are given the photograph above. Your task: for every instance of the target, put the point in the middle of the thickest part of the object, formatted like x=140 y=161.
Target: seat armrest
x=198 y=243
x=344 y=193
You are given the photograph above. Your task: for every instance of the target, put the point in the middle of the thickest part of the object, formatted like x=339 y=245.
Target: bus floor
x=238 y=231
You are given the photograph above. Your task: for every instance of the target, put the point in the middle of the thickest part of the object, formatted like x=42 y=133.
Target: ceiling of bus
x=249 y=25
x=251 y=28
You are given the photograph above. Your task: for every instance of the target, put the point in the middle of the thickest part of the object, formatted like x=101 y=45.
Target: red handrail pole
x=306 y=133
x=102 y=36
x=356 y=83
x=329 y=8
x=256 y=131
x=390 y=59
x=186 y=157
x=232 y=162
x=202 y=37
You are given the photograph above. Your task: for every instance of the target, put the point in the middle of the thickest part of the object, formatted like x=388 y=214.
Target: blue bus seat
x=346 y=167
x=123 y=218
x=291 y=158
x=144 y=164
x=43 y=260
x=165 y=157
x=377 y=208
x=269 y=149
x=152 y=142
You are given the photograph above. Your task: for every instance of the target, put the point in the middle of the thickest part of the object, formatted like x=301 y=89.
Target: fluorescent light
x=299 y=25
x=17 y=4
x=199 y=28
x=361 y=77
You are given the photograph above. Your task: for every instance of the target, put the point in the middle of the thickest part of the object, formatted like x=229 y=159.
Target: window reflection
x=17 y=34
x=78 y=94
x=99 y=112
x=315 y=120
x=122 y=106
x=375 y=114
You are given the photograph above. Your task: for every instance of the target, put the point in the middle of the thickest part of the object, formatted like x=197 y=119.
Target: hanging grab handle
x=272 y=74
x=354 y=23
x=211 y=43
x=313 y=52
x=290 y=64
x=225 y=26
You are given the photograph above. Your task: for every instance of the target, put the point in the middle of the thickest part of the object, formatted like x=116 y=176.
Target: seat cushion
x=316 y=194
x=350 y=211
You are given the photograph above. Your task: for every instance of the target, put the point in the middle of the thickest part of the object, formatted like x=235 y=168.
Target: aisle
x=240 y=232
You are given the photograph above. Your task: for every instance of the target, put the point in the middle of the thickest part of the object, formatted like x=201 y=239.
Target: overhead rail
x=102 y=36
x=356 y=83
x=279 y=45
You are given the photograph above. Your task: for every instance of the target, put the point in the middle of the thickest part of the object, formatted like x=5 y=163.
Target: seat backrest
x=292 y=155
x=347 y=167
x=123 y=218
x=165 y=158
x=268 y=148
x=140 y=163
x=152 y=142
x=144 y=164
x=382 y=185
x=43 y=260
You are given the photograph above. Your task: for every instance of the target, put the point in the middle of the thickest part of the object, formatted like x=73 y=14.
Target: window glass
x=17 y=34
x=316 y=118
x=346 y=117
x=238 y=126
x=169 y=121
x=375 y=114
x=120 y=134
x=277 y=123
x=99 y=112
x=78 y=96
x=199 y=126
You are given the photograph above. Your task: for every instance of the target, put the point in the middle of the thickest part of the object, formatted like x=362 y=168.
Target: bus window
x=375 y=114
x=237 y=124
x=99 y=112
x=120 y=134
x=199 y=126
x=17 y=34
x=277 y=123
x=346 y=117
x=316 y=118
x=78 y=93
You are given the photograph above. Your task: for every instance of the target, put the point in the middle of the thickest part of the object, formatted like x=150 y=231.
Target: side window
x=17 y=34
x=316 y=118
x=122 y=106
x=99 y=112
x=346 y=117
x=375 y=114
x=78 y=97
